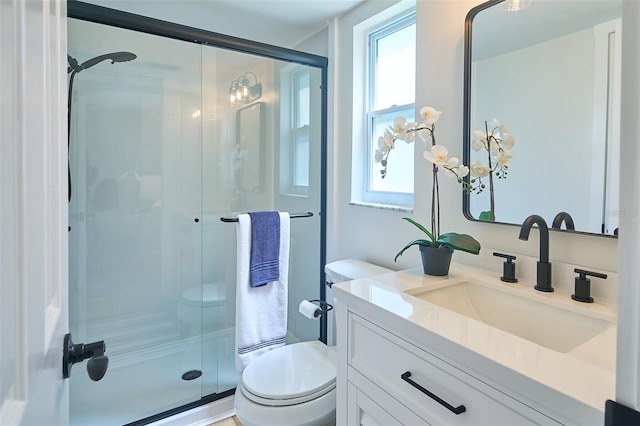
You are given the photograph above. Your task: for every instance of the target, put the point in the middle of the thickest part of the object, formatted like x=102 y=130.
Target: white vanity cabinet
x=405 y=360
x=391 y=381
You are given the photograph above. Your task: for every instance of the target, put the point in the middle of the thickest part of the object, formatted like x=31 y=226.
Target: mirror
x=551 y=73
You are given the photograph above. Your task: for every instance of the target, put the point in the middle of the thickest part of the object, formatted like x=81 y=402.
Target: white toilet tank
x=346 y=270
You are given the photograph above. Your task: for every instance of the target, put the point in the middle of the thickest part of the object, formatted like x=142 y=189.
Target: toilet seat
x=211 y=294
x=290 y=375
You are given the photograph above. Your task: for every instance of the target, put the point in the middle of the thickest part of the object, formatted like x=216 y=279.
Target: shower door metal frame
x=130 y=21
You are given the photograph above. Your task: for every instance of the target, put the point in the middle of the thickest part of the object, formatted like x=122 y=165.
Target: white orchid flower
x=494 y=146
x=508 y=141
x=479 y=140
x=507 y=153
x=458 y=170
x=437 y=155
x=400 y=128
x=500 y=126
x=430 y=115
x=409 y=137
x=399 y=124
x=478 y=170
x=379 y=155
x=503 y=161
x=386 y=142
x=425 y=133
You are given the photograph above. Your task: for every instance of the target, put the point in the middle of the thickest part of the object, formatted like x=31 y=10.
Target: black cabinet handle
x=457 y=410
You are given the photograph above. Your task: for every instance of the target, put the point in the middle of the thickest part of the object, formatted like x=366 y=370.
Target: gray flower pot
x=436 y=261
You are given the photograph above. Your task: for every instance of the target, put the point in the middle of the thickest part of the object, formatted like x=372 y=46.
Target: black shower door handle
x=457 y=410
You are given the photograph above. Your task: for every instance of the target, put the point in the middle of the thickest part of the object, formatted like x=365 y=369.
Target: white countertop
x=586 y=373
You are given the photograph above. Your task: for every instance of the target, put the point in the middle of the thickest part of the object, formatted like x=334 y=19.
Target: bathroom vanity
x=470 y=349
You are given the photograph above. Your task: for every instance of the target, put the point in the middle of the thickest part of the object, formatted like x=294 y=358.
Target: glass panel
x=395 y=68
x=399 y=176
x=301 y=162
x=304 y=260
x=135 y=247
x=225 y=194
x=157 y=158
x=302 y=99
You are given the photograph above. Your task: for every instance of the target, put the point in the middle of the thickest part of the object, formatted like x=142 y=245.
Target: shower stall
x=170 y=139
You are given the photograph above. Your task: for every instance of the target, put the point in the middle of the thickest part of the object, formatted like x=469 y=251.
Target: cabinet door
x=430 y=387
x=363 y=410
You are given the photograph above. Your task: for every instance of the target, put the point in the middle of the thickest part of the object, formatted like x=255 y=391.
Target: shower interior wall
x=153 y=147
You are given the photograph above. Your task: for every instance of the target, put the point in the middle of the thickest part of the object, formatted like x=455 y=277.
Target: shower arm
x=73 y=69
x=73 y=74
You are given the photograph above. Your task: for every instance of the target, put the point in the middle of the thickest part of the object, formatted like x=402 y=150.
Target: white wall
x=376 y=235
x=224 y=17
x=518 y=89
x=628 y=373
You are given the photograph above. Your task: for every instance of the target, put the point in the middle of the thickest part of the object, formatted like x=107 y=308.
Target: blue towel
x=264 y=264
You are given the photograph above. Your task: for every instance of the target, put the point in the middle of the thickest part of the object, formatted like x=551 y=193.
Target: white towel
x=261 y=312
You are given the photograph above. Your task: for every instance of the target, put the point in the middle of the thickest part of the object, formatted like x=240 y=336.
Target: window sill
x=402 y=209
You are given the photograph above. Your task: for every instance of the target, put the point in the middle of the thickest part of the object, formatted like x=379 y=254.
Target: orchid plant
x=498 y=144
x=495 y=141
x=406 y=131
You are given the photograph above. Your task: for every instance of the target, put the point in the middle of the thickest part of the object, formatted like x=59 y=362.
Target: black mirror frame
x=466 y=125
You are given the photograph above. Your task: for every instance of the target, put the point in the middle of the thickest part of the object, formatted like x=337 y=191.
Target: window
x=391 y=92
x=296 y=124
x=301 y=112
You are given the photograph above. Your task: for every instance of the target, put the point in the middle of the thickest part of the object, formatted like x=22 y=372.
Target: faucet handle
x=508 y=269
x=583 y=285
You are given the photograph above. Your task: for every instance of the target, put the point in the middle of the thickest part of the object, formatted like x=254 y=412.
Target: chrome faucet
x=543 y=280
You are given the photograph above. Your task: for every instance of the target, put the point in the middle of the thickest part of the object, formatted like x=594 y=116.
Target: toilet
x=199 y=308
x=346 y=270
x=296 y=384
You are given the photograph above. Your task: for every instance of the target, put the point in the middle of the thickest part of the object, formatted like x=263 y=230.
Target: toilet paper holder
x=321 y=308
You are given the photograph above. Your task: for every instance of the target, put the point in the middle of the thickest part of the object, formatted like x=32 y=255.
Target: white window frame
x=299 y=130
x=369 y=196
x=290 y=129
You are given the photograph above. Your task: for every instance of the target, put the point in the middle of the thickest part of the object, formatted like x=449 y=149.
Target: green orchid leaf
x=420 y=227
x=421 y=242
x=460 y=242
x=486 y=216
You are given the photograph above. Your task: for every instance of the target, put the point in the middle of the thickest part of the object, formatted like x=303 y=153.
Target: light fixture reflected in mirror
x=242 y=91
x=516 y=5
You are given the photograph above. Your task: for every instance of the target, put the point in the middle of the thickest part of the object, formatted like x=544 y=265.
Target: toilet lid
x=300 y=372
x=208 y=294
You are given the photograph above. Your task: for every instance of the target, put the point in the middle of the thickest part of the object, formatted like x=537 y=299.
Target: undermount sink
x=536 y=319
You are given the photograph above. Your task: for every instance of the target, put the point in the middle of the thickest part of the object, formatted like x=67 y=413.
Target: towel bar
x=292 y=216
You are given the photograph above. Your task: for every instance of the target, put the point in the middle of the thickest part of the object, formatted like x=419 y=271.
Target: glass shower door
x=159 y=154
x=135 y=238
x=262 y=153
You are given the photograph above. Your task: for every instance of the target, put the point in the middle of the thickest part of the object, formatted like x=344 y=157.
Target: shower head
x=73 y=64
x=113 y=57
x=73 y=69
